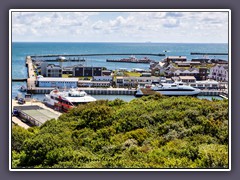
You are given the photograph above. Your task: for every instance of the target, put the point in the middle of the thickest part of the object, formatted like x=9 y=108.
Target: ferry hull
x=179 y=93
x=139 y=93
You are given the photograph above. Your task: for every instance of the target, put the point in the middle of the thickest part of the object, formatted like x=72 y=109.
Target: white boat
x=172 y=89
x=67 y=99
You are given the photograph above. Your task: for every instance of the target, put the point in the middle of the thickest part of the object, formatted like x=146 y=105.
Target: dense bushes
x=150 y=132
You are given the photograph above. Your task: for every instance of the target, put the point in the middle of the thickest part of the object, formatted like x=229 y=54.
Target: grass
x=65 y=75
x=79 y=77
x=134 y=74
x=195 y=66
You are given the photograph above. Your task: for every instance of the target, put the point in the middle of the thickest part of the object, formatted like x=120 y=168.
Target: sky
x=165 y=27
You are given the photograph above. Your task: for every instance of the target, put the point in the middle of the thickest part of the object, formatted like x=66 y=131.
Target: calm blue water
x=21 y=50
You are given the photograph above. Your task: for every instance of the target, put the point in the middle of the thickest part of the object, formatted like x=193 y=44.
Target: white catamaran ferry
x=172 y=89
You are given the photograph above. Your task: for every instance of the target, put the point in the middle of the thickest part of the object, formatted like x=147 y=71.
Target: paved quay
x=35 y=102
x=18 y=121
x=31 y=76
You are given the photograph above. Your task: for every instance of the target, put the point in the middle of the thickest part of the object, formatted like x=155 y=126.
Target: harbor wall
x=115 y=91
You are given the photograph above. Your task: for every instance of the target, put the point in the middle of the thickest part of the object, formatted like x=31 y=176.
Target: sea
x=22 y=49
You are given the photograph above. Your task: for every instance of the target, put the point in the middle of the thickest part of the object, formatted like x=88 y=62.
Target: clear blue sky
x=180 y=27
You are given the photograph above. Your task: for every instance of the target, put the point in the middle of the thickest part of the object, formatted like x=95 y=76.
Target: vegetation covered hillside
x=150 y=132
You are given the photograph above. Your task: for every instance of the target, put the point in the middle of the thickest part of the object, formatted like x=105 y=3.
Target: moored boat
x=171 y=89
x=22 y=88
x=67 y=99
x=131 y=59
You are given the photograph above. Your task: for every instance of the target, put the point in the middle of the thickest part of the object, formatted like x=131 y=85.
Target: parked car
x=21 y=101
x=15 y=112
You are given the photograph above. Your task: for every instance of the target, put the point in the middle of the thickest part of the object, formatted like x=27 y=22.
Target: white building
x=187 y=72
x=58 y=82
x=133 y=81
x=219 y=73
x=158 y=69
x=208 y=84
x=175 y=58
x=187 y=79
x=102 y=78
x=85 y=83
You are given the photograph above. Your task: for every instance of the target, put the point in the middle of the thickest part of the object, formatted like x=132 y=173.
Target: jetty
x=19 y=79
x=107 y=54
x=204 y=92
x=108 y=91
x=31 y=75
x=65 y=60
x=201 y=53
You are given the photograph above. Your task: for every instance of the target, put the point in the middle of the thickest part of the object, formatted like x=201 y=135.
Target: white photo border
x=119 y=10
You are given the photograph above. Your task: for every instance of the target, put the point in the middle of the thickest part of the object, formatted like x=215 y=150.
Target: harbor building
x=158 y=69
x=34 y=114
x=53 y=71
x=208 y=84
x=219 y=72
x=87 y=71
x=102 y=78
x=106 y=72
x=146 y=74
x=97 y=81
x=203 y=74
x=88 y=83
x=182 y=72
x=187 y=79
x=50 y=70
x=175 y=58
x=198 y=73
x=202 y=60
x=43 y=66
x=57 y=82
x=134 y=81
x=67 y=70
x=187 y=64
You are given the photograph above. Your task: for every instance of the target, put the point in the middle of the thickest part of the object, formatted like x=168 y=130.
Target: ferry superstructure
x=67 y=99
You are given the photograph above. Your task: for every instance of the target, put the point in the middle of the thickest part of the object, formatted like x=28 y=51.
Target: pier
x=110 y=54
x=62 y=60
x=91 y=91
x=108 y=91
x=19 y=79
x=200 y=53
x=212 y=92
x=31 y=75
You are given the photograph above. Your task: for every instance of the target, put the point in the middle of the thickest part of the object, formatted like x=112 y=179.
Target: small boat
x=22 y=88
